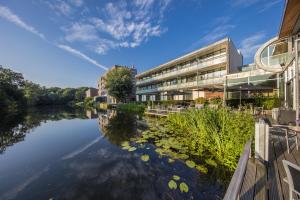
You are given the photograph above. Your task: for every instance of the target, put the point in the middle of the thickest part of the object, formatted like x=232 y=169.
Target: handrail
x=234 y=187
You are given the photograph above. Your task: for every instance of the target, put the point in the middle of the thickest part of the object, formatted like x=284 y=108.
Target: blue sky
x=70 y=43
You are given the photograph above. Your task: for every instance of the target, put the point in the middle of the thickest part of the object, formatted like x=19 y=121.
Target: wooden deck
x=265 y=181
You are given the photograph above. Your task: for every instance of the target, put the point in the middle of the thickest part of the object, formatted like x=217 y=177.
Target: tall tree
x=120 y=83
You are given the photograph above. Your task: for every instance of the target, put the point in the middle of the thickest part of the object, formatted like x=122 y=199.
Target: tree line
x=17 y=93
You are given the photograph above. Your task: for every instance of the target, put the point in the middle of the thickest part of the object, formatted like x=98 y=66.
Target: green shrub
x=216 y=101
x=132 y=107
x=200 y=100
x=270 y=103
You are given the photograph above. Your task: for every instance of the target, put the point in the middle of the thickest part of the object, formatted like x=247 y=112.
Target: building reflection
x=103 y=119
x=91 y=114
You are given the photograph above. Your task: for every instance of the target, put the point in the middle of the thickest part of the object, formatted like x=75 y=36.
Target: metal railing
x=234 y=187
x=201 y=64
x=204 y=82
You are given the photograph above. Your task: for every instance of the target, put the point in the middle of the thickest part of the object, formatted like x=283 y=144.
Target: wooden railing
x=234 y=187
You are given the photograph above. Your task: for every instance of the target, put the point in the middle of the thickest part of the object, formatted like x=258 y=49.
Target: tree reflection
x=117 y=126
x=13 y=128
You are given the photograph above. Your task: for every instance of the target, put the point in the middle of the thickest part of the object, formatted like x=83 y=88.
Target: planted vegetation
x=132 y=107
x=206 y=138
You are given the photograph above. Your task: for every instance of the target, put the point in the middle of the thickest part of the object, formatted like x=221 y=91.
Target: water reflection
x=118 y=127
x=75 y=154
x=14 y=127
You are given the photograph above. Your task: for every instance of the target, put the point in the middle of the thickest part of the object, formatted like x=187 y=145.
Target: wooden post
x=262 y=141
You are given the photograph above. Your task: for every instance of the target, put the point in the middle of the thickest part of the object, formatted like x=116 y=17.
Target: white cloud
x=244 y=3
x=268 y=5
x=80 y=32
x=7 y=14
x=61 y=7
x=77 y=3
x=220 y=28
x=119 y=25
x=81 y=55
x=218 y=33
x=250 y=44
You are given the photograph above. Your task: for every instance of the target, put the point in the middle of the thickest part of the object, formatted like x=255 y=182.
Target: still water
x=57 y=153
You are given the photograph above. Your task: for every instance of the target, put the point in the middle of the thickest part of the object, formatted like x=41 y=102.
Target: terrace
x=258 y=179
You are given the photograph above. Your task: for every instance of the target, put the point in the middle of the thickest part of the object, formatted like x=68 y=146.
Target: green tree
x=33 y=93
x=80 y=94
x=120 y=84
x=11 y=93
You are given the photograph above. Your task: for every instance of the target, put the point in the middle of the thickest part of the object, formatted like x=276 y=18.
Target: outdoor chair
x=293 y=179
x=281 y=130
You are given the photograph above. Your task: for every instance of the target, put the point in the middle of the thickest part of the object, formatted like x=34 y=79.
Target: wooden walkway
x=265 y=181
x=160 y=112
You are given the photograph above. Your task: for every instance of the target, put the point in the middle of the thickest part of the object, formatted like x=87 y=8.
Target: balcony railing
x=192 y=84
x=214 y=60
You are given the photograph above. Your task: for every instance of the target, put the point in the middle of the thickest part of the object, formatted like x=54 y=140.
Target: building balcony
x=214 y=60
x=187 y=85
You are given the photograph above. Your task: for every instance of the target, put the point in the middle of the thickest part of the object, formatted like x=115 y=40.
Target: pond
x=60 y=153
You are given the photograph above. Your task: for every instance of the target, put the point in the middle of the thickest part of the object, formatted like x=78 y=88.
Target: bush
x=89 y=102
x=132 y=107
x=216 y=101
x=270 y=103
x=201 y=100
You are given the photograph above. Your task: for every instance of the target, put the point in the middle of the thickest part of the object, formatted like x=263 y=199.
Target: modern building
x=251 y=81
x=280 y=55
x=102 y=91
x=200 y=73
x=91 y=92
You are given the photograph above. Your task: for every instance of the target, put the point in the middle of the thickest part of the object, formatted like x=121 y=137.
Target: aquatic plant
x=206 y=138
x=145 y=157
x=176 y=178
x=219 y=134
x=183 y=187
x=172 y=185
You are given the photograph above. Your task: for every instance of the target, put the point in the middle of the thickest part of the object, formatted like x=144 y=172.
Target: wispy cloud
x=250 y=44
x=80 y=32
x=8 y=15
x=244 y=3
x=218 y=33
x=77 y=3
x=119 y=25
x=269 y=5
x=220 y=28
x=81 y=55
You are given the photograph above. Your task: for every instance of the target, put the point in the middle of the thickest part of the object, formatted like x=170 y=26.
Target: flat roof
x=290 y=18
x=182 y=58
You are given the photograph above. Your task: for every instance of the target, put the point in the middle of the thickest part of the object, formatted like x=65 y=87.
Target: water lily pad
x=183 y=187
x=132 y=149
x=125 y=144
x=172 y=185
x=202 y=169
x=176 y=178
x=145 y=158
x=190 y=163
x=126 y=147
x=211 y=162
